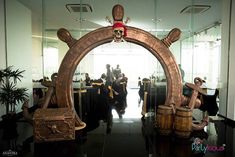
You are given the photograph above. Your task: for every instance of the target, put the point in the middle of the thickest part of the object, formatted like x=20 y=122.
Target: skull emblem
x=118 y=35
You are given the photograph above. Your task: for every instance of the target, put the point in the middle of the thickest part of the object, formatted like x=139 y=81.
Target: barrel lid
x=164 y=107
x=185 y=108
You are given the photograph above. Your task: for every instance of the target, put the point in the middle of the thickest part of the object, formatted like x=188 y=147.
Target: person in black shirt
x=87 y=79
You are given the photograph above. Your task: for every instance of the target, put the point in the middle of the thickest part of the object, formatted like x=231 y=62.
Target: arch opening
x=142 y=69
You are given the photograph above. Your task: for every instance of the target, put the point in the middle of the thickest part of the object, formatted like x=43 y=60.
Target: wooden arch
x=79 y=48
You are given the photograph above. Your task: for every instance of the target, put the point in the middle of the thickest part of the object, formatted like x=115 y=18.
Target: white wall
x=19 y=40
x=2 y=36
x=2 y=45
x=227 y=90
x=231 y=79
x=224 y=59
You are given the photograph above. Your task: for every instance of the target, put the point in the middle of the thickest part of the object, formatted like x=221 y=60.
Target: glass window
x=200 y=56
x=50 y=59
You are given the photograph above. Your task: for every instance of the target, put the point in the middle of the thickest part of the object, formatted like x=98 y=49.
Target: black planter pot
x=9 y=127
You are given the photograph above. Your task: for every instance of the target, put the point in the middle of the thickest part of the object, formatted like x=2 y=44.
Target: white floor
x=133 y=109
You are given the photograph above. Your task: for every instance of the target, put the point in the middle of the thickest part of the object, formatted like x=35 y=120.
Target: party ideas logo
x=199 y=146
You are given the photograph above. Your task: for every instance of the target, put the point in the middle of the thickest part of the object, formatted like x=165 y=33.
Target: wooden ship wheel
x=79 y=48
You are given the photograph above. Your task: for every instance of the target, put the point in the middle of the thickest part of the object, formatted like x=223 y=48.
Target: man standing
x=117 y=71
x=182 y=72
x=109 y=75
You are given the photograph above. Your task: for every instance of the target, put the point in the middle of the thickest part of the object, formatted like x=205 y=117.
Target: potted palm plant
x=10 y=94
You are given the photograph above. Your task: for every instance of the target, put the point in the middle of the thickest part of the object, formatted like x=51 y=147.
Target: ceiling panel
x=150 y=15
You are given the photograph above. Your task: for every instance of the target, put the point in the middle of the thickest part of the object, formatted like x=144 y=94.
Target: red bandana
x=120 y=25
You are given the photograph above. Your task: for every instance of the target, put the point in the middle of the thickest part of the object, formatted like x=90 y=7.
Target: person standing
x=103 y=101
x=182 y=72
x=139 y=81
x=87 y=79
x=109 y=75
x=119 y=95
x=117 y=71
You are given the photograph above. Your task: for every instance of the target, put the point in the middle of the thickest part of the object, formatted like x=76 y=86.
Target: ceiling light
x=195 y=9
x=77 y=8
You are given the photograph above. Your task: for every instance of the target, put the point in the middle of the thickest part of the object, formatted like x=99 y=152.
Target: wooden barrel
x=164 y=119
x=183 y=122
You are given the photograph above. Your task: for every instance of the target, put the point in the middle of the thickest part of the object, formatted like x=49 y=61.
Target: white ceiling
x=149 y=15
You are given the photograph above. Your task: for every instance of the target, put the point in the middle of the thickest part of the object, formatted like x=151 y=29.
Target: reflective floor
x=129 y=137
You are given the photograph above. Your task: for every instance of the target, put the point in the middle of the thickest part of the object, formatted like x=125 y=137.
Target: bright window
x=50 y=61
